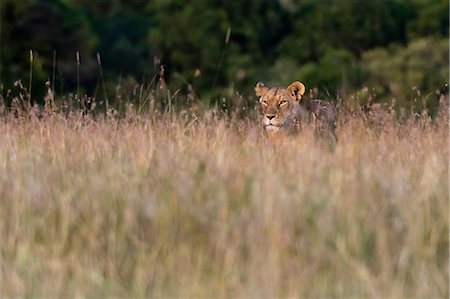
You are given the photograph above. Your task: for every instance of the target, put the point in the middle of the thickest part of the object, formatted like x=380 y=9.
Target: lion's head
x=282 y=112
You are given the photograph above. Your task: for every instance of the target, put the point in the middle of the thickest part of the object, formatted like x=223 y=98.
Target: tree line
x=220 y=49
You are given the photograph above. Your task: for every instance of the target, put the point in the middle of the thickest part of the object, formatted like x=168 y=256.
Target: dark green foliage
x=337 y=46
x=406 y=72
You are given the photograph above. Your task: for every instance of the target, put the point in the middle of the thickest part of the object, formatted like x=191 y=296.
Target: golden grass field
x=166 y=207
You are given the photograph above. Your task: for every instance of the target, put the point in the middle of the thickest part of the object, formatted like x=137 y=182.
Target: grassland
x=165 y=207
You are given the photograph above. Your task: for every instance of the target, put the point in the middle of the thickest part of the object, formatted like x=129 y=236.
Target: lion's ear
x=298 y=89
x=260 y=89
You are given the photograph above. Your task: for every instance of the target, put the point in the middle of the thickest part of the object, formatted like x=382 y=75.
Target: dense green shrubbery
x=403 y=72
x=336 y=46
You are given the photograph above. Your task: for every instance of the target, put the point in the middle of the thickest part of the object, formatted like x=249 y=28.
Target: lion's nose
x=270 y=116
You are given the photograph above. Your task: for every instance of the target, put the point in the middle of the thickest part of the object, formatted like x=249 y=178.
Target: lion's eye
x=282 y=103
x=264 y=103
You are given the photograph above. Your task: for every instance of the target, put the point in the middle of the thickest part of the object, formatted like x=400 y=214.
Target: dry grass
x=161 y=207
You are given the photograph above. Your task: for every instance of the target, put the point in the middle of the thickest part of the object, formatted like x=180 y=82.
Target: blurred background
x=392 y=49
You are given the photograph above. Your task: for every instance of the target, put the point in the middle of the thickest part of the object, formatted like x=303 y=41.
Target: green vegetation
x=338 y=47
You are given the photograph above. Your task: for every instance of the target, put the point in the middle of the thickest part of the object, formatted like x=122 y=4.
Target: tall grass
x=167 y=207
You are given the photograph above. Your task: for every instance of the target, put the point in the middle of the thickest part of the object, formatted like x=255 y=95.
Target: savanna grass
x=168 y=207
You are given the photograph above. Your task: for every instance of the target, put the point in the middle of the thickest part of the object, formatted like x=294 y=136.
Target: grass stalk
x=102 y=80
x=222 y=56
x=30 y=83
x=54 y=73
x=78 y=74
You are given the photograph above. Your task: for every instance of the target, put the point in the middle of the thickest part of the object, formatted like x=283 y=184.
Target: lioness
x=285 y=111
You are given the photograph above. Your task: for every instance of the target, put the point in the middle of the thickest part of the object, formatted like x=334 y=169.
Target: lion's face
x=280 y=106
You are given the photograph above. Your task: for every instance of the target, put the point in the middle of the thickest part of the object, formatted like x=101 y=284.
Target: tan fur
x=284 y=110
